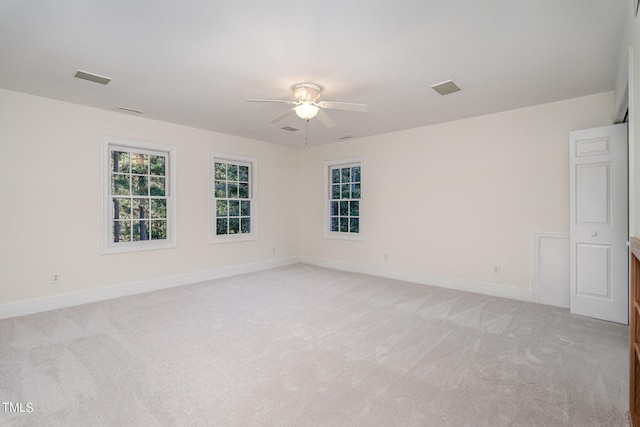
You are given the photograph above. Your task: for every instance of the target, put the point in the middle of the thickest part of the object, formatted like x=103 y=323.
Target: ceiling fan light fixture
x=306 y=91
x=306 y=110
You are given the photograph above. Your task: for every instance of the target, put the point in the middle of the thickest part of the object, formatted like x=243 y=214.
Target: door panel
x=594 y=279
x=593 y=147
x=598 y=229
x=593 y=193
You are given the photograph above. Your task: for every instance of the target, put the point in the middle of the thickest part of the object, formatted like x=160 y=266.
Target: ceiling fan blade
x=283 y=116
x=325 y=119
x=346 y=106
x=280 y=101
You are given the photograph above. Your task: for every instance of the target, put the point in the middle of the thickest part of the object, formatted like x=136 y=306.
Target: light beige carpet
x=303 y=345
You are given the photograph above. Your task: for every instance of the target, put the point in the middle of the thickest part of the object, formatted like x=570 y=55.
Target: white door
x=598 y=229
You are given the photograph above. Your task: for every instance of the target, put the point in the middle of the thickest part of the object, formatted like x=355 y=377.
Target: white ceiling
x=195 y=62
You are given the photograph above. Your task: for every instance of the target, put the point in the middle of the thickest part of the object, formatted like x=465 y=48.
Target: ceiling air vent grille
x=131 y=110
x=446 y=87
x=96 y=78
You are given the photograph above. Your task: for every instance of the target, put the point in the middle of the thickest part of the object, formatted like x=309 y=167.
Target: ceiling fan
x=306 y=104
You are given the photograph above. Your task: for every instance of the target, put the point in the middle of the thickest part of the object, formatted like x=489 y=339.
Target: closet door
x=598 y=229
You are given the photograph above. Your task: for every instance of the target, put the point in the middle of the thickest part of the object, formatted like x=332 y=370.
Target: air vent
x=131 y=110
x=289 y=128
x=446 y=87
x=92 y=77
x=345 y=137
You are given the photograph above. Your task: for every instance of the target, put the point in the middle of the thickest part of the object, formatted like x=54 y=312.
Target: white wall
x=454 y=199
x=448 y=200
x=50 y=200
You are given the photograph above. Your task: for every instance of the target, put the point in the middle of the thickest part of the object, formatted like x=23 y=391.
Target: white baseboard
x=491 y=289
x=39 y=305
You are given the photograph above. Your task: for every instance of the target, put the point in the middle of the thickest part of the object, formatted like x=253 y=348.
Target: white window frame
x=360 y=236
x=108 y=246
x=253 y=198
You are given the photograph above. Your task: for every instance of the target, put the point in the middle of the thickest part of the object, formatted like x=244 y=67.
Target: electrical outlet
x=56 y=279
x=496 y=269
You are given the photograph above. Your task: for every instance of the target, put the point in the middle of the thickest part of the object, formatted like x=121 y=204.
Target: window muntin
x=138 y=194
x=233 y=202
x=138 y=202
x=344 y=199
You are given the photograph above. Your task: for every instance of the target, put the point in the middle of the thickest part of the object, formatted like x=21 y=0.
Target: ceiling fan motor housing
x=309 y=92
x=306 y=105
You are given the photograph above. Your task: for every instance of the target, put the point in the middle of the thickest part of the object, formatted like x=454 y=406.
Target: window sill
x=344 y=236
x=137 y=247
x=233 y=238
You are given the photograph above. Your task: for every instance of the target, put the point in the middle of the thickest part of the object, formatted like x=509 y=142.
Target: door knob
x=594 y=233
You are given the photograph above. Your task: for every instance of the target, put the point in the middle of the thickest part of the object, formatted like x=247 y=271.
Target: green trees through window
x=138 y=194
x=344 y=198
x=232 y=197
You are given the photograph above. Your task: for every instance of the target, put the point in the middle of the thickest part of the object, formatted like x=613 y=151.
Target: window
x=343 y=181
x=138 y=199
x=233 y=204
